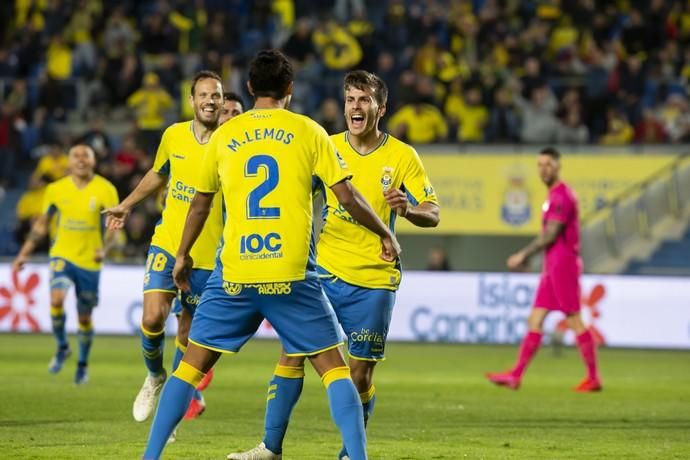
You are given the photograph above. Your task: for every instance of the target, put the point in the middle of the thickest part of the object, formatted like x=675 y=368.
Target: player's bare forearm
x=358 y=207
x=109 y=240
x=149 y=184
x=425 y=214
x=39 y=230
x=199 y=210
x=545 y=239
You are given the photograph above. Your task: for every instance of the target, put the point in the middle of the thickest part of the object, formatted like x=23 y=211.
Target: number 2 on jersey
x=270 y=166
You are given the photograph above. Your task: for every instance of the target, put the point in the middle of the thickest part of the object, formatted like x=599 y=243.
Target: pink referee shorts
x=559 y=289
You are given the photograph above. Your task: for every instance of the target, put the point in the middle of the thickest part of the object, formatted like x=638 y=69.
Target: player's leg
x=545 y=298
x=365 y=315
x=86 y=288
x=307 y=326
x=176 y=396
x=588 y=350
x=284 y=390
x=159 y=292
x=344 y=401
x=60 y=282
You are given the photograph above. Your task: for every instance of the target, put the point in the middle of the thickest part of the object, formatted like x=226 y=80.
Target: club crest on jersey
x=387 y=178
x=232 y=288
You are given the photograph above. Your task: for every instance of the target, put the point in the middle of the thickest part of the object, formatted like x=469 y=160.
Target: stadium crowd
x=114 y=74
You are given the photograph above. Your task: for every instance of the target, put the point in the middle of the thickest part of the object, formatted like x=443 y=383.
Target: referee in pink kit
x=559 y=286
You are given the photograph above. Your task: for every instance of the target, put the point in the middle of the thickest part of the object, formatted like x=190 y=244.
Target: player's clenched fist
x=397 y=200
x=115 y=217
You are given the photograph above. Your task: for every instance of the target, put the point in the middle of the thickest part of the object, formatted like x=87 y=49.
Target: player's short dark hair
x=270 y=74
x=232 y=96
x=552 y=152
x=203 y=75
x=363 y=80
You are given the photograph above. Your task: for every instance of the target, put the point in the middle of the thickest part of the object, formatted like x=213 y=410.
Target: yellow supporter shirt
x=471 y=118
x=422 y=127
x=53 y=167
x=264 y=161
x=179 y=156
x=350 y=251
x=79 y=232
x=150 y=106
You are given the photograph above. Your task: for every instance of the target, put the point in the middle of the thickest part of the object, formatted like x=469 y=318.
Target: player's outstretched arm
x=358 y=207
x=149 y=184
x=543 y=241
x=39 y=230
x=199 y=210
x=425 y=214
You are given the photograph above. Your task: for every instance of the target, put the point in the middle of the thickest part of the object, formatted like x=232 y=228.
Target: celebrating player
x=360 y=286
x=179 y=154
x=559 y=287
x=77 y=252
x=264 y=162
x=232 y=106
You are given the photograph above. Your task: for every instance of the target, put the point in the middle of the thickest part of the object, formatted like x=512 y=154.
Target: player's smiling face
x=362 y=112
x=207 y=101
x=82 y=161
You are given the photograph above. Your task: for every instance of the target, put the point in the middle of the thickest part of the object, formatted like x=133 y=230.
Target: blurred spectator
x=469 y=114
x=10 y=142
x=59 y=59
x=539 y=124
x=330 y=117
x=97 y=138
x=438 y=260
x=338 y=49
x=504 y=120
x=418 y=123
x=151 y=102
x=300 y=45
x=119 y=36
x=572 y=130
x=675 y=117
x=619 y=131
x=649 y=130
x=138 y=230
x=53 y=165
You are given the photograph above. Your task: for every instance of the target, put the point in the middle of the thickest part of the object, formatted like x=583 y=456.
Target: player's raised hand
x=181 y=272
x=391 y=248
x=115 y=217
x=18 y=263
x=397 y=200
x=99 y=256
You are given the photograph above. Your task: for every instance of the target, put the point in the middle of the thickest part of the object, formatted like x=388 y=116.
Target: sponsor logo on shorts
x=192 y=299
x=374 y=338
x=272 y=288
x=232 y=288
x=147 y=279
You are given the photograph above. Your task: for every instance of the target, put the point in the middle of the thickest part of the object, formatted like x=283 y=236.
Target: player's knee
x=362 y=373
x=57 y=299
x=153 y=320
x=85 y=321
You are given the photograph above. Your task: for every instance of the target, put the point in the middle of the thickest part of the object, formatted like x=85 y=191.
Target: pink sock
x=530 y=345
x=588 y=350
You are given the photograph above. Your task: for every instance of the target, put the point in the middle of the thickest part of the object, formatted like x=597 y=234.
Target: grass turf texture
x=433 y=403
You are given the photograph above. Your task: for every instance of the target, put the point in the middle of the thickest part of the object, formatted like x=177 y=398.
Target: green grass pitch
x=433 y=403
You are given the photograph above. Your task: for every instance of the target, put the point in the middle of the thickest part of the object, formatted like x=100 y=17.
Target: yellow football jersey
x=179 y=157
x=79 y=233
x=263 y=161
x=350 y=251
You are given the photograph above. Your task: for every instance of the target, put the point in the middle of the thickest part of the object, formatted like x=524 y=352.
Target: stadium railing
x=612 y=234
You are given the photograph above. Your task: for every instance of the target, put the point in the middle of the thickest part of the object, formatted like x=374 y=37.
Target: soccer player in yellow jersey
x=78 y=250
x=177 y=163
x=264 y=161
x=360 y=286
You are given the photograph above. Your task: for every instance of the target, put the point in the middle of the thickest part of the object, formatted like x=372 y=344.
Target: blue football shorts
x=64 y=274
x=364 y=313
x=229 y=314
